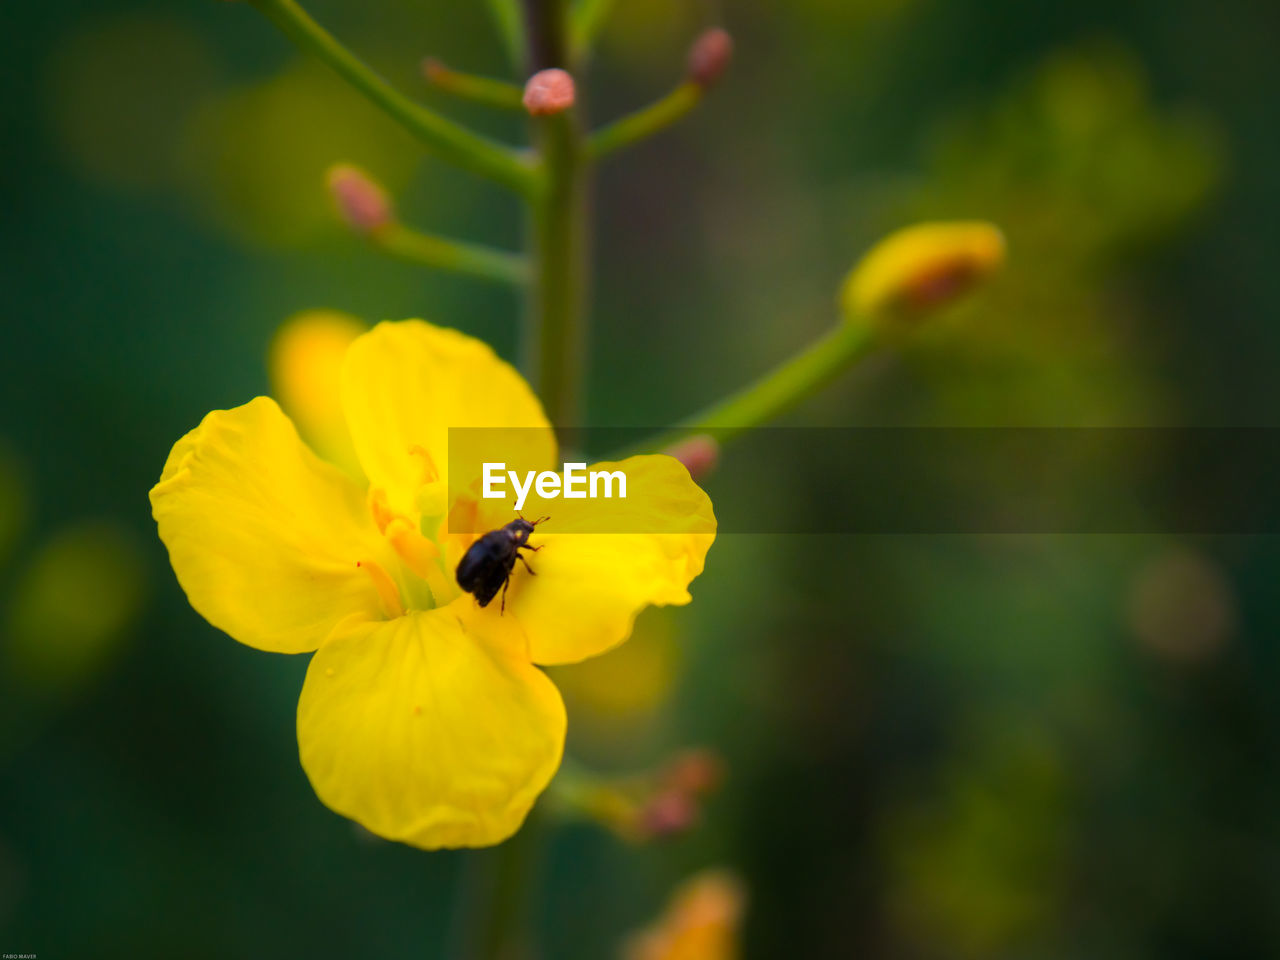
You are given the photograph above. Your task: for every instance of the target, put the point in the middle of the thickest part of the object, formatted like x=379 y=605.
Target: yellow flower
x=423 y=716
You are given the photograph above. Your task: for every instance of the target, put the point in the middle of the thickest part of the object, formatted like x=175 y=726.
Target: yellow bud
x=701 y=923
x=921 y=268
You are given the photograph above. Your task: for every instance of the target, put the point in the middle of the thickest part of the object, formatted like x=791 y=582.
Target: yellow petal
x=405 y=384
x=306 y=365
x=600 y=562
x=263 y=535
x=425 y=734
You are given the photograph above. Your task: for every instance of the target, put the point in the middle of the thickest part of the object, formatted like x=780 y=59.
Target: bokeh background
x=938 y=747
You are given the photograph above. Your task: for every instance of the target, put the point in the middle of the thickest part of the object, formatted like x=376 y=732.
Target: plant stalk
x=493 y=905
x=555 y=354
x=556 y=345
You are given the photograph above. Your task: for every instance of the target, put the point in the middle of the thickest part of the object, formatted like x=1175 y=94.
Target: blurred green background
x=1016 y=747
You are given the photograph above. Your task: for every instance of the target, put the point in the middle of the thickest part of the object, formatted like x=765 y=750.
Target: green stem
x=469 y=86
x=506 y=17
x=554 y=355
x=646 y=122
x=777 y=391
x=494 y=904
x=588 y=17
x=451 y=141
x=556 y=348
x=546 y=30
x=442 y=253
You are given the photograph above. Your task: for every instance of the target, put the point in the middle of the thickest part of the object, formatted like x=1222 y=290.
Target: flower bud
x=549 y=92
x=700 y=454
x=921 y=268
x=694 y=772
x=434 y=70
x=709 y=57
x=361 y=201
x=703 y=920
x=668 y=814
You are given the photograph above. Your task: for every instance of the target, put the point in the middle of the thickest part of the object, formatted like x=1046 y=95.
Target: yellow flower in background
x=51 y=647
x=423 y=716
x=700 y=923
x=13 y=500
x=622 y=694
x=305 y=363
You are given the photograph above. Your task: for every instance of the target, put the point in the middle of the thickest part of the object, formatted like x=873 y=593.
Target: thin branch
x=506 y=17
x=443 y=253
x=589 y=16
x=451 y=141
x=644 y=123
x=469 y=86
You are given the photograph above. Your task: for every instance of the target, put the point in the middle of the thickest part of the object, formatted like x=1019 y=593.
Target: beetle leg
x=505 y=583
x=520 y=557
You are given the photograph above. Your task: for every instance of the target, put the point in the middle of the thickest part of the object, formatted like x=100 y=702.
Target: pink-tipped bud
x=548 y=92
x=667 y=814
x=700 y=454
x=709 y=57
x=694 y=772
x=434 y=70
x=361 y=201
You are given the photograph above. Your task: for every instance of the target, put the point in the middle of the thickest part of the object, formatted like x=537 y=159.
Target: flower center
x=420 y=581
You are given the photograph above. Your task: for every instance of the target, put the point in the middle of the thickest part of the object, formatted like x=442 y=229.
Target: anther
x=430 y=473
x=381 y=509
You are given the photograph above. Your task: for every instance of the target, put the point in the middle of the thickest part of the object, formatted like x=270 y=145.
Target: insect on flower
x=425 y=716
x=488 y=562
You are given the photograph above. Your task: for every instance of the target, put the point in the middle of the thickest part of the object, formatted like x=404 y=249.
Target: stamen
x=418 y=553
x=380 y=507
x=422 y=557
x=386 y=587
x=429 y=472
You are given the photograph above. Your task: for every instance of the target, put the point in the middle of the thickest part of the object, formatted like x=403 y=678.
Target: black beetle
x=488 y=562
